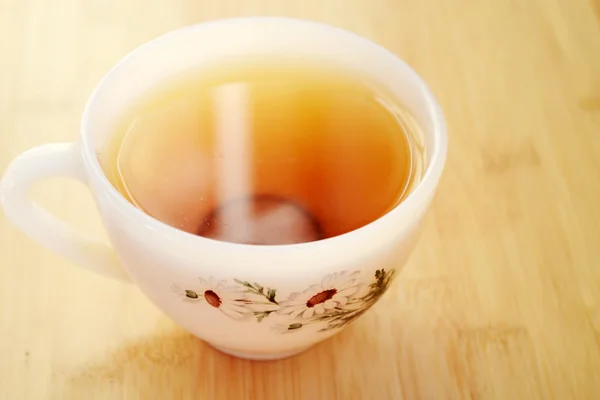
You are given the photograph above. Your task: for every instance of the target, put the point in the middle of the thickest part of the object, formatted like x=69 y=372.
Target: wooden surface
x=501 y=299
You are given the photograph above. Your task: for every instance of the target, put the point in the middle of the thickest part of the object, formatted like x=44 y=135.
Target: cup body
x=259 y=301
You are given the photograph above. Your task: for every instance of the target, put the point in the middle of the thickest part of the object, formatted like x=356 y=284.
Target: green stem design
x=260 y=315
x=259 y=290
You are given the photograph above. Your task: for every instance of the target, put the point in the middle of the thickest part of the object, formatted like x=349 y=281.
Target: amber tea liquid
x=263 y=152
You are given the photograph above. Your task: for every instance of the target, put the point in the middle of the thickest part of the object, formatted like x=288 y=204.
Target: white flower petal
x=231 y=313
x=298 y=302
x=221 y=286
x=203 y=282
x=211 y=283
x=338 y=279
x=312 y=290
x=325 y=283
x=345 y=279
x=264 y=307
x=308 y=313
x=235 y=307
x=224 y=294
x=347 y=284
x=351 y=275
x=289 y=309
x=293 y=296
x=329 y=304
x=340 y=300
x=298 y=298
x=346 y=292
x=298 y=312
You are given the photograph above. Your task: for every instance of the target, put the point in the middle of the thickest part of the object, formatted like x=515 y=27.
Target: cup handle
x=43 y=162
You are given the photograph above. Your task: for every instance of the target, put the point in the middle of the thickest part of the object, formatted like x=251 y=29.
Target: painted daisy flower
x=217 y=294
x=334 y=291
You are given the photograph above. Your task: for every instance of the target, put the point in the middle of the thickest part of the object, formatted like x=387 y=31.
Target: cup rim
x=426 y=185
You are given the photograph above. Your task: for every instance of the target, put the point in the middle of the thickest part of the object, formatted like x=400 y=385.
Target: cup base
x=259 y=356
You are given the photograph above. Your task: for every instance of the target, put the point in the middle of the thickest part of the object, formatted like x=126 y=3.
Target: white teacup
x=259 y=302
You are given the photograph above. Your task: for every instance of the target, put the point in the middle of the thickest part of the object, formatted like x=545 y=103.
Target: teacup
x=251 y=301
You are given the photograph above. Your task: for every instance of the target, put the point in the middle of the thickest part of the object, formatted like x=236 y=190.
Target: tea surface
x=262 y=152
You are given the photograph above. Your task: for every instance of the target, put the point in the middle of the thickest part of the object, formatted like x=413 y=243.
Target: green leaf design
x=258 y=290
x=260 y=315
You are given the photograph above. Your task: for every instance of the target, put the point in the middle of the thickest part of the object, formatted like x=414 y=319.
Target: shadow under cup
x=162 y=260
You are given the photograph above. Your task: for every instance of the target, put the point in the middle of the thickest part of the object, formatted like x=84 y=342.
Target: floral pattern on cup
x=335 y=291
x=333 y=303
x=228 y=299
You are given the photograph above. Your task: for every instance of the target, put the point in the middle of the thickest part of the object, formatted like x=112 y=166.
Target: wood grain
x=501 y=299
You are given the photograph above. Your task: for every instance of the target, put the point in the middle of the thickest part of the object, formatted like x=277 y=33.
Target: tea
x=263 y=152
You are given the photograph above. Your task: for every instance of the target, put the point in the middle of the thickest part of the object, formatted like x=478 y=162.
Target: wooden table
x=501 y=299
